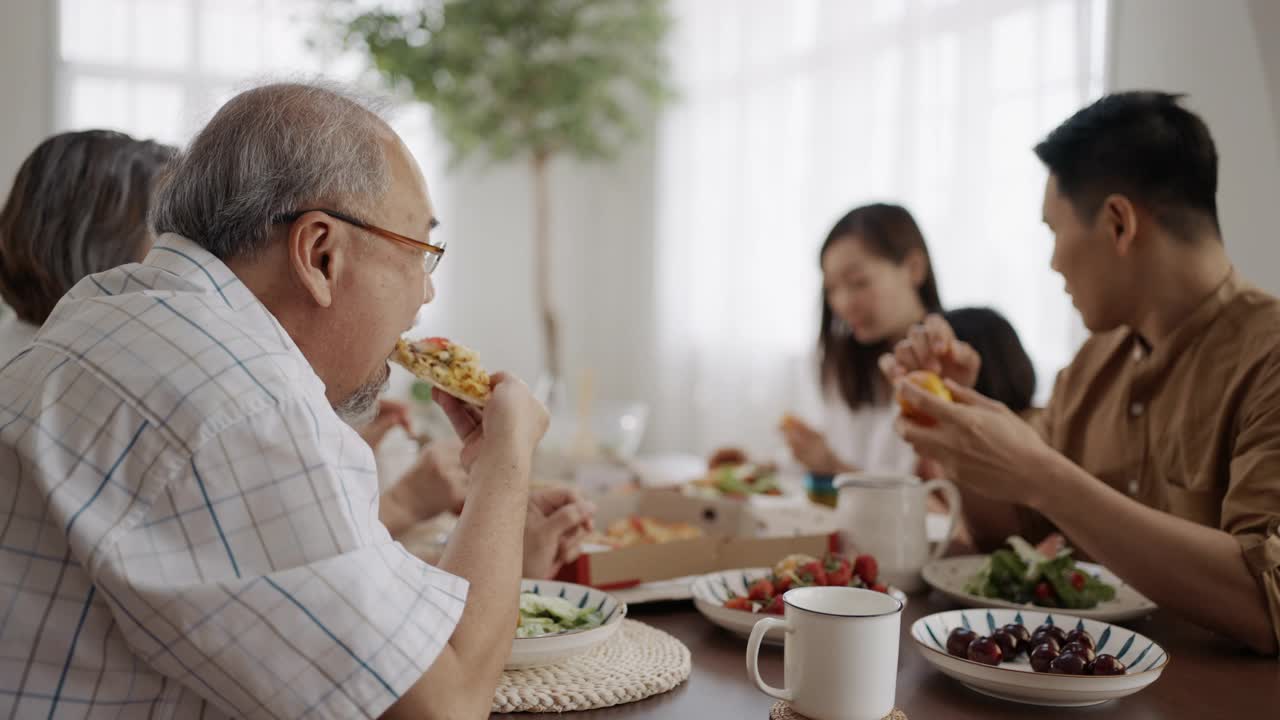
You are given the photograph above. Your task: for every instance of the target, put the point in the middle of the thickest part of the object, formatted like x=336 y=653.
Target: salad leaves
x=1021 y=574
x=542 y=615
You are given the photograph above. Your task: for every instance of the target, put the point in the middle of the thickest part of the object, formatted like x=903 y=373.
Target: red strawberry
x=838 y=568
x=880 y=588
x=866 y=567
x=1077 y=580
x=761 y=590
x=738 y=603
x=841 y=575
x=775 y=606
x=811 y=573
x=782 y=584
x=1044 y=591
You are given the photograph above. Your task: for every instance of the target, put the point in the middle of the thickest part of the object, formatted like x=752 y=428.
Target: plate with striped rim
x=551 y=649
x=950 y=575
x=712 y=590
x=1016 y=681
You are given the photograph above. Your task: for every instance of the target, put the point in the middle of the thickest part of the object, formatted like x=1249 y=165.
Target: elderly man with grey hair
x=189 y=527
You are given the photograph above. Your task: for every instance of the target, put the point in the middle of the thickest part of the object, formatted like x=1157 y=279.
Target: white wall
x=1225 y=54
x=26 y=82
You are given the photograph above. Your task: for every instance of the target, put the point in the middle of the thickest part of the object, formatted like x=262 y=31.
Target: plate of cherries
x=1041 y=658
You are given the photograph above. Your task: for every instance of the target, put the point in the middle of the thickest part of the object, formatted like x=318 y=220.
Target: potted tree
x=526 y=81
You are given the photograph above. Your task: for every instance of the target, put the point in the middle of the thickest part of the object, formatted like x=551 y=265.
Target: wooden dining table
x=1206 y=678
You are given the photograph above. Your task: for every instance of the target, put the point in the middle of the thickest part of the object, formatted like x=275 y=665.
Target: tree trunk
x=542 y=264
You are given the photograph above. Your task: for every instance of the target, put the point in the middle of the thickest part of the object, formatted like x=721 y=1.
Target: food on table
x=1057 y=634
x=1106 y=665
x=986 y=651
x=1081 y=650
x=639 y=530
x=1043 y=655
x=1081 y=636
x=1021 y=634
x=1021 y=574
x=1068 y=663
x=958 y=642
x=1045 y=650
x=726 y=456
x=834 y=570
x=730 y=474
x=792 y=563
x=544 y=615
x=1007 y=642
x=930 y=383
x=453 y=368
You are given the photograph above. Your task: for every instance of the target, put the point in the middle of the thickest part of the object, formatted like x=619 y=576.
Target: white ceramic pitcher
x=884 y=515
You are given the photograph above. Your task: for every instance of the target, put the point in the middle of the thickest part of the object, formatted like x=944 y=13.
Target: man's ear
x=316 y=255
x=1120 y=222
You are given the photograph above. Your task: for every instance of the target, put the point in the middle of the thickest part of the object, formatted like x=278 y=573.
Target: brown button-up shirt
x=1191 y=426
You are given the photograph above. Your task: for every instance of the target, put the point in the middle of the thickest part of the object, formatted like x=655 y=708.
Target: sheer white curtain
x=158 y=69
x=791 y=114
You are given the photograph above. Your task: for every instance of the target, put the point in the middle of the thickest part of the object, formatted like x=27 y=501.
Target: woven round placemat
x=637 y=662
x=783 y=711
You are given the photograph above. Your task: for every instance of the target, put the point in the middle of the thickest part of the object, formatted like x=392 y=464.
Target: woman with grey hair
x=78 y=206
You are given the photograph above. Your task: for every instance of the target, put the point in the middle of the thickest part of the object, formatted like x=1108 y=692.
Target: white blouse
x=864 y=438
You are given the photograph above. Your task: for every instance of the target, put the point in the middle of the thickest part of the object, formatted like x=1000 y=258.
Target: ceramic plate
x=1016 y=681
x=710 y=592
x=551 y=649
x=949 y=575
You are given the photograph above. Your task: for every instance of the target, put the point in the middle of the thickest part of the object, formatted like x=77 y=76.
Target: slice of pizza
x=447 y=365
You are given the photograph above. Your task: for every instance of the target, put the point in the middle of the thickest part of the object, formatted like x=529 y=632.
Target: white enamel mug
x=884 y=515
x=841 y=652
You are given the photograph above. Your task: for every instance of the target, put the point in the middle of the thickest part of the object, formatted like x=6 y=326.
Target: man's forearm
x=1157 y=552
x=486 y=548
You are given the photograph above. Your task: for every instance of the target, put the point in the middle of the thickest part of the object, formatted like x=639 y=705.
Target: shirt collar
x=1194 y=324
x=184 y=258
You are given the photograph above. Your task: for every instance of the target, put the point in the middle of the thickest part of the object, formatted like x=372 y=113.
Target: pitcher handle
x=952 y=494
x=753 y=656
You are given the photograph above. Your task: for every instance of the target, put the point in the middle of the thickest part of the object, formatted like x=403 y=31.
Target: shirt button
x=1136 y=409
x=1133 y=487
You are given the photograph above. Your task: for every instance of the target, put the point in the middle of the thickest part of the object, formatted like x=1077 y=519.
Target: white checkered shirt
x=186 y=528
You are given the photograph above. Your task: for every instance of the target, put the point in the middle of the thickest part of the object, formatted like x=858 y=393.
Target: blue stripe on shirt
x=333 y=637
x=216 y=524
x=71 y=651
x=107 y=477
x=225 y=349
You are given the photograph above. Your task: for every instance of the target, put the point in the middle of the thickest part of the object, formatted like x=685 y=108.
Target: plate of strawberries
x=736 y=599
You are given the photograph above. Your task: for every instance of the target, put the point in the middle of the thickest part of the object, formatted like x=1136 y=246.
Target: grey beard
x=361 y=406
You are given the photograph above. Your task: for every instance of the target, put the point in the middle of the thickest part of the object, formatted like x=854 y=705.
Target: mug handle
x=753 y=656
x=952 y=494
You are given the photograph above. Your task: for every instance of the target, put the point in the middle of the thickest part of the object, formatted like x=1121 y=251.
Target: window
x=793 y=113
x=159 y=68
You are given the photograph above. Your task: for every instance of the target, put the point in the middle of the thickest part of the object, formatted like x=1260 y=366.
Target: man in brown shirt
x=1159 y=452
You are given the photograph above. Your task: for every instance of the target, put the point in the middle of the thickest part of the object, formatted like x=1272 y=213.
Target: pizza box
x=731 y=539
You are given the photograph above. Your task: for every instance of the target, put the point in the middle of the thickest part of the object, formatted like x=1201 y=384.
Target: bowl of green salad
x=560 y=620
